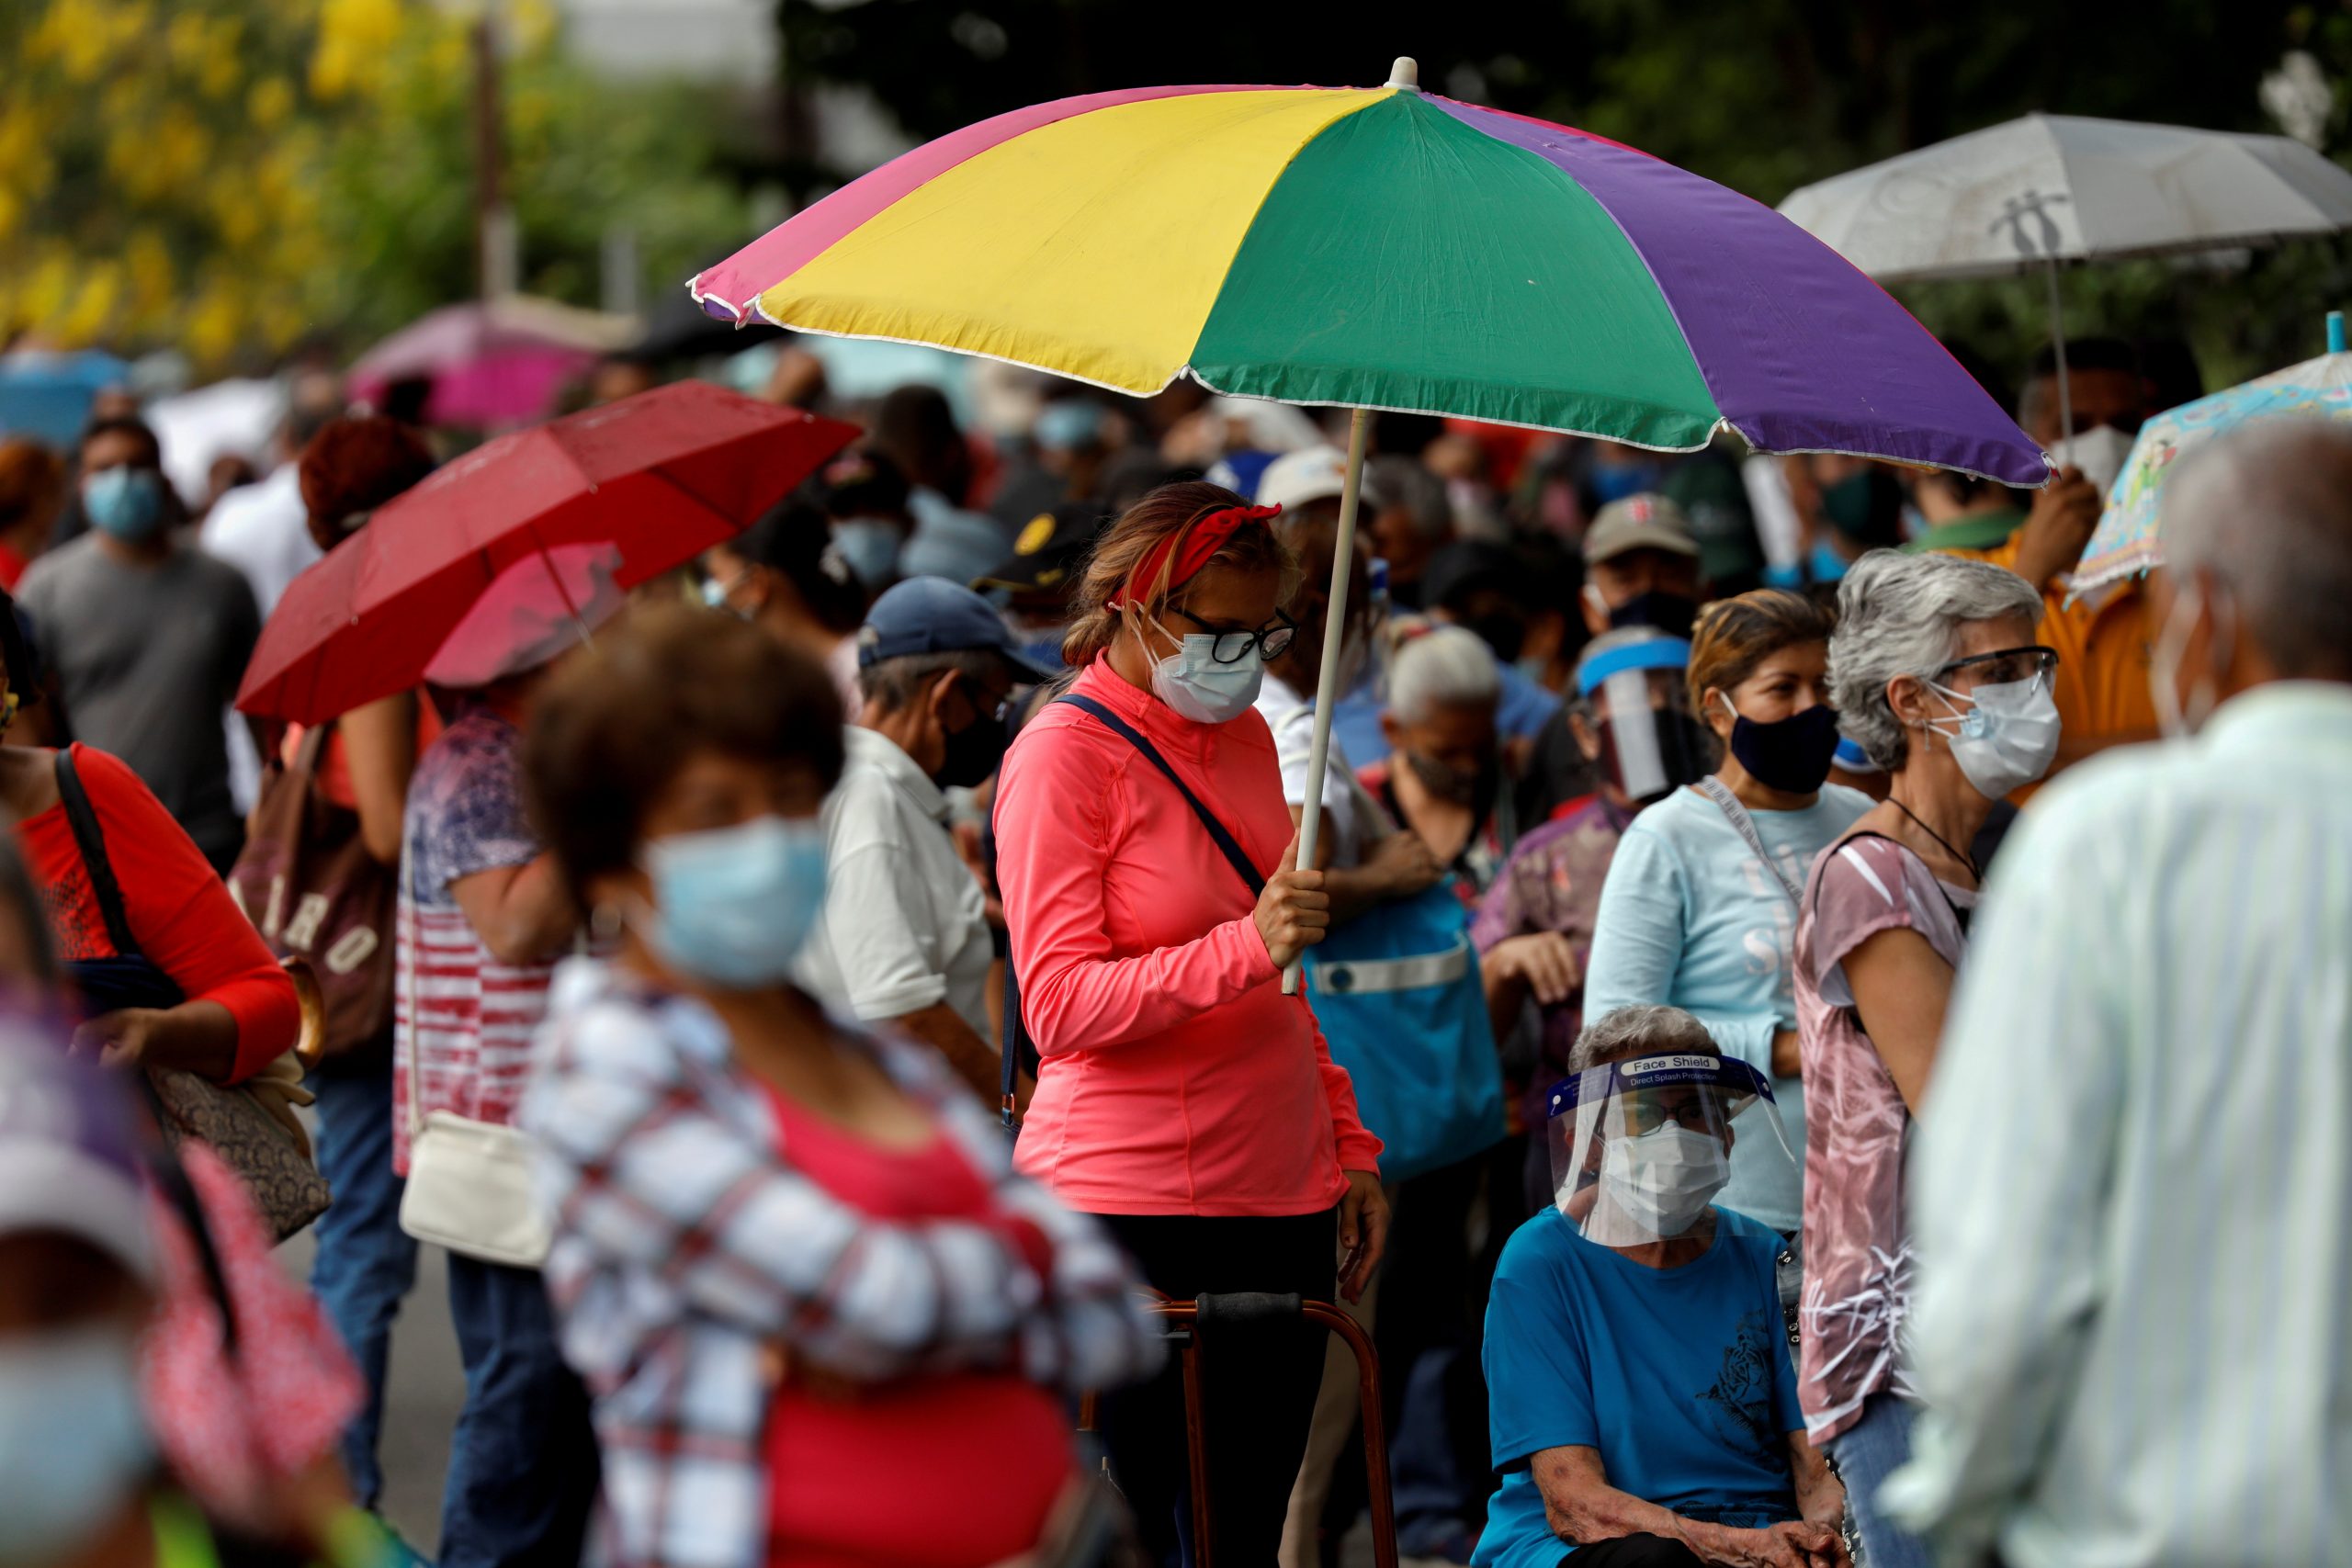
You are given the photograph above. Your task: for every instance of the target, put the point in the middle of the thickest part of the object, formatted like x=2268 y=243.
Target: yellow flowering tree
x=227 y=176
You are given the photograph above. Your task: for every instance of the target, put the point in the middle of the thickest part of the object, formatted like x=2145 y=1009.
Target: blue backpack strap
x=1133 y=737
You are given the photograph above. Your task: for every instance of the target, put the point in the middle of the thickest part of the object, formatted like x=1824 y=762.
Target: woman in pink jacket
x=1180 y=1096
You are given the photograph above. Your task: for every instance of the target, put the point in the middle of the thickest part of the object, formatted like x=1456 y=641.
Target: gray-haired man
x=904 y=936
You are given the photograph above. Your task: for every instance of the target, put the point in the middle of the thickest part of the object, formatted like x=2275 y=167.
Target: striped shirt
x=461 y=1019
x=2131 y=1189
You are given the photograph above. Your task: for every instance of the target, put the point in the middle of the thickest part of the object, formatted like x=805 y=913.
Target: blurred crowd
x=962 y=788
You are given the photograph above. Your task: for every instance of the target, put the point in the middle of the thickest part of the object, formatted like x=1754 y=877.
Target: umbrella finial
x=1405 y=74
x=2335 y=332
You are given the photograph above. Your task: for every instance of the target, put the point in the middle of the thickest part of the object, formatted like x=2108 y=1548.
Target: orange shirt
x=2102 y=642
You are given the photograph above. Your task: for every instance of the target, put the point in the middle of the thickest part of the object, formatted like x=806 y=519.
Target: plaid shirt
x=686 y=1246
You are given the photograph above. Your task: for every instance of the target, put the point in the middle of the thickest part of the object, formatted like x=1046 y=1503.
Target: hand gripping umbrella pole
x=1327 y=679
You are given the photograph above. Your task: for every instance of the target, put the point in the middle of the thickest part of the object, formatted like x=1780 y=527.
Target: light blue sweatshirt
x=1690 y=917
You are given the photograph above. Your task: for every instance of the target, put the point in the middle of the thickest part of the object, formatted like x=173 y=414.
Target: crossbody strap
x=170 y=1180
x=1715 y=789
x=1015 y=1036
x=1216 y=829
x=91 y=840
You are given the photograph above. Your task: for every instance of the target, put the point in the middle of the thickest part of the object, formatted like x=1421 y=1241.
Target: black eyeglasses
x=1272 y=641
x=1998 y=669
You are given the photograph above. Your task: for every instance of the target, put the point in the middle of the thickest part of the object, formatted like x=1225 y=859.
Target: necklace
x=1962 y=856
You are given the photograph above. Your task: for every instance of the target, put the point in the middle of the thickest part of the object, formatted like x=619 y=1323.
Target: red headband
x=1201 y=540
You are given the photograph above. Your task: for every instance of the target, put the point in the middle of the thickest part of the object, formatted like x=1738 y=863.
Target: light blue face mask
x=124 y=502
x=869 y=546
x=733 y=905
x=73 y=1442
x=1069 y=424
x=1196 y=686
x=715 y=592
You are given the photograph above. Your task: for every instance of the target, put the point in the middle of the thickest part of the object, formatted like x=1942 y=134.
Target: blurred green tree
x=229 y=175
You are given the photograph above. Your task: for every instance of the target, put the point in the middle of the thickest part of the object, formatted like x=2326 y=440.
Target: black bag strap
x=92 y=842
x=1013 y=1046
x=1133 y=737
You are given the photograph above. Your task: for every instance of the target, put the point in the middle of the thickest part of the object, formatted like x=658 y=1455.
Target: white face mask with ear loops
x=2007 y=737
x=1196 y=686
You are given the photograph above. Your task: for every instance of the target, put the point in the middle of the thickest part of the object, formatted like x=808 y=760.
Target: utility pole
x=495 y=240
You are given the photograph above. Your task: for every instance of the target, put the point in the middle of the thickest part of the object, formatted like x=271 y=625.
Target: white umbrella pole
x=1327 y=680
x=2058 y=344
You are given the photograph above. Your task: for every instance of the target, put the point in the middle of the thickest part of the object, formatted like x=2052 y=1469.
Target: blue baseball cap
x=930 y=614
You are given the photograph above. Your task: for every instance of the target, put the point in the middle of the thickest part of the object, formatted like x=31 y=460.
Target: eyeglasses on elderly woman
x=2003 y=666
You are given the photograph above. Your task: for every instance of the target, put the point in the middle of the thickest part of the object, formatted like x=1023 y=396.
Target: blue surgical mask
x=124 y=502
x=1193 y=682
x=733 y=905
x=73 y=1442
x=1069 y=424
x=870 y=547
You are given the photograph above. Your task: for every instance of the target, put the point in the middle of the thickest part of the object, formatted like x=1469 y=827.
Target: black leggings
x=1258 y=1384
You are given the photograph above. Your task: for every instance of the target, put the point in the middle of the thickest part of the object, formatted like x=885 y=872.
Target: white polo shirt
x=905 y=925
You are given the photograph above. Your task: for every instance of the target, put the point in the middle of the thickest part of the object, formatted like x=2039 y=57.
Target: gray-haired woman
x=1935 y=673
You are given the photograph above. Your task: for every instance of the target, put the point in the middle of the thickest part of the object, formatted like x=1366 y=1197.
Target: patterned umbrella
x=2125 y=541
x=1377 y=249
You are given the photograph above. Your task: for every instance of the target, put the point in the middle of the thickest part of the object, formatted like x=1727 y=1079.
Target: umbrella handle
x=1335 y=615
x=2058 y=347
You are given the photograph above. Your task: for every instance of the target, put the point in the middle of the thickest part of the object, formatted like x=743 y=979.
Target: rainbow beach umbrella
x=1376 y=248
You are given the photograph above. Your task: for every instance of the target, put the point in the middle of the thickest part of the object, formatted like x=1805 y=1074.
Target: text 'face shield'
x=1641 y=1147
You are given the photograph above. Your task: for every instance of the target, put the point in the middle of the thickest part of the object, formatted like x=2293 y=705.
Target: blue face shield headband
x=1640 y=1147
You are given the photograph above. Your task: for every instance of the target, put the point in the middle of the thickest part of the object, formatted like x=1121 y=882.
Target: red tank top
x=940 y=1471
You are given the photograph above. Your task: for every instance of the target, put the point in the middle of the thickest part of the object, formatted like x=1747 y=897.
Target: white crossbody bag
x=472 y=1186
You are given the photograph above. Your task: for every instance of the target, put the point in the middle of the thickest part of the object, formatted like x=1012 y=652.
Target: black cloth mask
x=973 y=753
x=1791 y=755
x=1673 y=614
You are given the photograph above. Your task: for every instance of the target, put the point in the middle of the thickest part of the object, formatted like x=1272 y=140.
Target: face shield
x=1641 y=1147
x=1633 y=694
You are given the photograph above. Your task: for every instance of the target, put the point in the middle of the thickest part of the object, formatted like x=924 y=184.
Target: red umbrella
x=663 y=476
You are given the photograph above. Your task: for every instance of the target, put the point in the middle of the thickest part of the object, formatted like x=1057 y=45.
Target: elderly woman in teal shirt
x=1700 y=909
